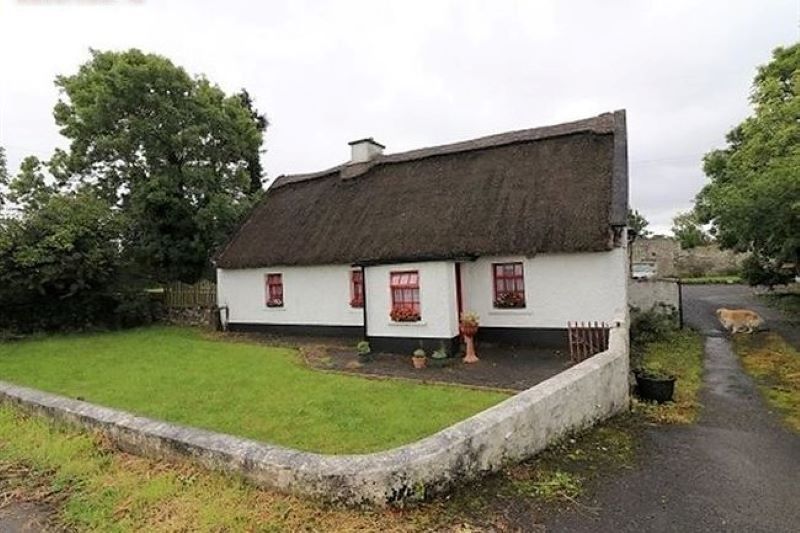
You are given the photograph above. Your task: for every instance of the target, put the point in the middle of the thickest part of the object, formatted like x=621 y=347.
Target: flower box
x=275 y=302
x=405 y=314
x=510 y=300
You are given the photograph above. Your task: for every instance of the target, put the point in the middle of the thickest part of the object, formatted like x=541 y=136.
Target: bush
x=61 y=268
x=757 y=271
x=652 y=325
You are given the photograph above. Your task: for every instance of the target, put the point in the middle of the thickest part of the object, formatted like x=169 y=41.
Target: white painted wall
x=437 y=293
x=312 y=295
x=558 y=288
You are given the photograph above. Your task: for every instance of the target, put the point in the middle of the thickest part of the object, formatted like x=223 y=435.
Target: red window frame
x=509 y=285
x=404 y=287
x=274 y=286
x=356 y=288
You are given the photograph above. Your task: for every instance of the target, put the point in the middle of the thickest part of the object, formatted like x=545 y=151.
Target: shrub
x=61 y=268
x=652 y=325
x=757 y=271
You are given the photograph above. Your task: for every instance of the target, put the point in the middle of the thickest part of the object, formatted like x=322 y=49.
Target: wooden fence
x=586 y=339
x=179 y=295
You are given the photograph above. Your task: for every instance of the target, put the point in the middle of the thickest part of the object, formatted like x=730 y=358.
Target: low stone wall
x=647 y=293
x=508 y=432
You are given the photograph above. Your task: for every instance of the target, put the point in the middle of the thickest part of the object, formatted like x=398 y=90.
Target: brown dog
x=739 y=320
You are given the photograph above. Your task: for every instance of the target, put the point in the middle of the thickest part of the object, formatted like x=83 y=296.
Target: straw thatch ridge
x=551 y=189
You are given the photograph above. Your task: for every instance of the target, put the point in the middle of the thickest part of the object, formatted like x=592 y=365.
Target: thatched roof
x=554 y=189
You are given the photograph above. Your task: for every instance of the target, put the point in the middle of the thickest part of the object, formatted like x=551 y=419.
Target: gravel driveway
x=737 y=469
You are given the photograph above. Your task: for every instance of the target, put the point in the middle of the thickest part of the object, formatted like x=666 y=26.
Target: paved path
x=737 y=469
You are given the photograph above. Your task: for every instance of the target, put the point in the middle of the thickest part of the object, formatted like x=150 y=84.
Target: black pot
x=655 y=388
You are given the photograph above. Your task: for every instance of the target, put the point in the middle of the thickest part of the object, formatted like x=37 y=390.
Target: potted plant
x=419 y=358
x=654 y=385
x=439 y=357
x=364 y=352
x=468 y=327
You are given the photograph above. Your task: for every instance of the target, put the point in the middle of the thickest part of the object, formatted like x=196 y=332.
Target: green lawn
x=245 y=389
x=713 y=280
x=679 y=353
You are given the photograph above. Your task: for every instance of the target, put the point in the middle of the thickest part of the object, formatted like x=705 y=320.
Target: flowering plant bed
x=510 y=300
x=404 y=314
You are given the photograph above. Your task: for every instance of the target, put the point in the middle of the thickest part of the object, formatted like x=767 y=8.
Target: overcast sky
x=413 y=74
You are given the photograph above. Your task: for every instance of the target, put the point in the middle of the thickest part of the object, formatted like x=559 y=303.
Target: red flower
x=404 y=314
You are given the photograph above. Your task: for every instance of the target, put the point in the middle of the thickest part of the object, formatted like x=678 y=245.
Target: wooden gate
x=586 y=339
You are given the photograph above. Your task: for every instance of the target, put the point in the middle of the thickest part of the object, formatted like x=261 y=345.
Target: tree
x=4 y=177
x=254 y=168
x=61 y=267
x=638 y=224
x=30 y=189
x=172 y=152
x=688 y=230
x=753 y=198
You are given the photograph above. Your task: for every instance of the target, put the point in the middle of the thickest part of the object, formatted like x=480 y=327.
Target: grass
x=679 y=354
x=711 y=280
x=91 y=487
x=776 y=367
x=247 y=389
x=561 y=473
x=788 y=302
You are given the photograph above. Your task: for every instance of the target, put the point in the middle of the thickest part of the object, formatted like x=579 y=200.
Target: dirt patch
x=28 y=501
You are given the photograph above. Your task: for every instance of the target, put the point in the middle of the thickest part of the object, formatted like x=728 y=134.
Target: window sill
x=417 y=323
x=510 y=311
x=283 y=308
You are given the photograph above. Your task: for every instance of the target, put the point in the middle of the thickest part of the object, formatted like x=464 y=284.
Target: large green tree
x=171 y=152
x=753 y=198
x=688 y=230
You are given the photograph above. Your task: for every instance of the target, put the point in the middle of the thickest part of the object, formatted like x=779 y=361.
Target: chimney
x=364 y=150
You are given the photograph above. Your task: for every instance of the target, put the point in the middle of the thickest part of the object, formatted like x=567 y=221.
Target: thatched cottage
x=526 y=229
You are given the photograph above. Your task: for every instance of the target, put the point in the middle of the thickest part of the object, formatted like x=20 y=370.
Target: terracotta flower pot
x=468 y=330
x=419 y=362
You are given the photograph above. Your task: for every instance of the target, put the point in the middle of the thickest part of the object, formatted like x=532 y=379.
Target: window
x=509 y=285
x=356 y=288
x=274 y=290
x=405 y=296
